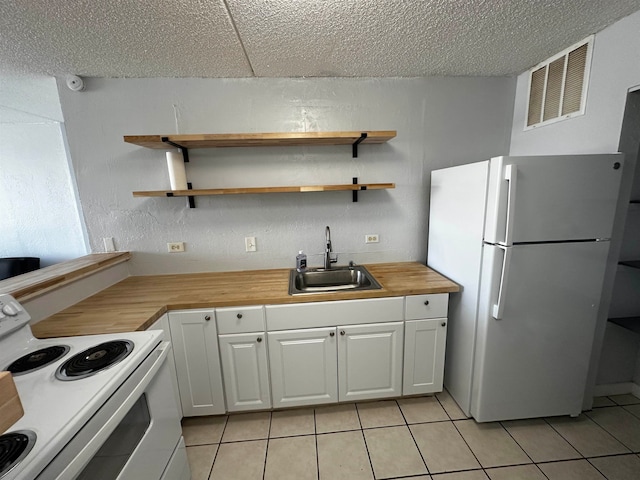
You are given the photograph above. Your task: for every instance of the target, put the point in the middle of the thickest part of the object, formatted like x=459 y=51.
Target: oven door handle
x=74 y=468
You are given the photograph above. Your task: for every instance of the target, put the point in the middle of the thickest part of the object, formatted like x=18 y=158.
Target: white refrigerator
x=527 y=239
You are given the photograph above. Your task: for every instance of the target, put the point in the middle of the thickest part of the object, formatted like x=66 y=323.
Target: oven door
x=133 y=435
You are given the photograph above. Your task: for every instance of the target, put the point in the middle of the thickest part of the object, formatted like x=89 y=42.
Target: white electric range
x=98 y=407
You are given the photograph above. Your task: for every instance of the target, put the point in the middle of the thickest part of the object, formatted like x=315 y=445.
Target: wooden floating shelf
x=219 y=140
x=250 y=190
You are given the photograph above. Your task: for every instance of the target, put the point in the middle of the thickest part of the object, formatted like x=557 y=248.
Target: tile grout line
x=597 y=469
x=467 y=444
x=315 y=437
x=414 y=438
x=563 y=437
x=266 y=450
x=364 y=439
x=610 y=433
x=522 y=448
x=442 y=405
x=219 y=445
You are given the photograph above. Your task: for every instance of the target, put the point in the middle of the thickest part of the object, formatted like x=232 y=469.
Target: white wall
x=615 y=70
x=39 y=215
x=440 y=122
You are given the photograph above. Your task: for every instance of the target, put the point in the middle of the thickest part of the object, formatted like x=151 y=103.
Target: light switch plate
x=250 y=244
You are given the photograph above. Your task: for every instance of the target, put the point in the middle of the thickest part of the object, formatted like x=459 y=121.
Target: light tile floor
x=415 y=438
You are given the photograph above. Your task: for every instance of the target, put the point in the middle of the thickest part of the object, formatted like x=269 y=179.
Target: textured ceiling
x=293 y=38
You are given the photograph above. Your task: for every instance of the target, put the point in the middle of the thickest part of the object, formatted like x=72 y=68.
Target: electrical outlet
x=371 y=238
x=175 y=247
x=250 y=244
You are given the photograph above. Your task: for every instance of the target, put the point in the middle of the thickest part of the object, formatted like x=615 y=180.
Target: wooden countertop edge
x=142 y=314
x=33 y=284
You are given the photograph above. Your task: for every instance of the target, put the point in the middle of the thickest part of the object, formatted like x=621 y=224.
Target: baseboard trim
x=616 y=389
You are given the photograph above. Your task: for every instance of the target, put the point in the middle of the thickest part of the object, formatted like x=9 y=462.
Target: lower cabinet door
x=303 y=367
x=195 y=349
x=424 y=347
x=245 y=372
x=370 y=361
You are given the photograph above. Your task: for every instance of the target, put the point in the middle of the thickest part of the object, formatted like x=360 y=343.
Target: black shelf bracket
x=191 y=200
x=183 y=150
x=354 y=193
x=354 y=147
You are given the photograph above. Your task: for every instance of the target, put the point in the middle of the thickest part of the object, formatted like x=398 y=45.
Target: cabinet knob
x=207 y=317
x=342 y=332
x=259 y=339
x=443 y=324
x=239 y=315
x=426 y=302
x=332 y=334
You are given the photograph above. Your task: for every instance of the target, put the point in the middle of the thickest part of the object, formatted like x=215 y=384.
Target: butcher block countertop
x=33 y=284
x=137 y=302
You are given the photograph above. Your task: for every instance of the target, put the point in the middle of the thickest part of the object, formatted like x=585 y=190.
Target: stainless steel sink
x=320 y=280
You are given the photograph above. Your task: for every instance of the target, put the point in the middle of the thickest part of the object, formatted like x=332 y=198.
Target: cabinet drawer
x=426 y=306
x=240 y=319
x=328 y=314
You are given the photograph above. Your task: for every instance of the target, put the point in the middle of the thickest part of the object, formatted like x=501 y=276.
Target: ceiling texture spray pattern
x=293 y=38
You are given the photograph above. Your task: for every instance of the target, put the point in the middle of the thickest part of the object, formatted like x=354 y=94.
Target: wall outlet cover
x=175 y=247
x=371 y=238
x=109 y=246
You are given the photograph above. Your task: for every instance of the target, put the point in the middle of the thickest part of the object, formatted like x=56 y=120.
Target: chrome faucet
x=327 y=251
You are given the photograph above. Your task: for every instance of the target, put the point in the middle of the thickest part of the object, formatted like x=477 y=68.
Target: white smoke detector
x=75 y=83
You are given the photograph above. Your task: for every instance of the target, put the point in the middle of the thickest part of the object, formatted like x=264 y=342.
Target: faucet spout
x=328 y=249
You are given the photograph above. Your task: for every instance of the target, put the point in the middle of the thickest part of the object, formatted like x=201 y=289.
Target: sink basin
x=319 y=280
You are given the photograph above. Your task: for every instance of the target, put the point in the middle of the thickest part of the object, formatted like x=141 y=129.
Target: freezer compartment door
x=552 y=198
x=533 y=360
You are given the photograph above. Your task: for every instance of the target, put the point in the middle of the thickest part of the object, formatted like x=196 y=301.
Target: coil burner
x=38 y=359
x=94 y=360
x=14 y=447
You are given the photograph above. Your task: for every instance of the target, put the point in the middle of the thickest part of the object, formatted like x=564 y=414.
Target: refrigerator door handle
x=510 y=175
x=498 y=308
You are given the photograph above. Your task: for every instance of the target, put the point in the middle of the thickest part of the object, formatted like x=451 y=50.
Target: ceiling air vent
x=558 y=86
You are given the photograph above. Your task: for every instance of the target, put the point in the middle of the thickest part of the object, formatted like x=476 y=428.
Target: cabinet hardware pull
x=207 y=317
x=332 y=334
x=426 y=302
x=239 y=315
x=443 y=324
x=341 y=332
x=259 y=339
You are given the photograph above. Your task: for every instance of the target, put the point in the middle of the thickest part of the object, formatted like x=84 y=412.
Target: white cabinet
x=195 y=346
x=345 y=363
x=425 y=337
x=303 y=366
x=370 y=361
x=245 y=371
x=243 y=353
x=339 y=351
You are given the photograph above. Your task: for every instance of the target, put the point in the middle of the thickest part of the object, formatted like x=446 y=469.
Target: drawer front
x=426 y=306
x=240 y=319
x=327 y=314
